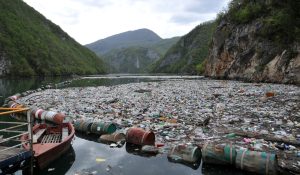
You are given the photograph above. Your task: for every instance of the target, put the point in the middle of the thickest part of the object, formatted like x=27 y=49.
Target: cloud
x=205 y=6
x=91 y=20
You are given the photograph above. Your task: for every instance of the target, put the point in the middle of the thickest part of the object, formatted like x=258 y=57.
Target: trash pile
x=262 y=118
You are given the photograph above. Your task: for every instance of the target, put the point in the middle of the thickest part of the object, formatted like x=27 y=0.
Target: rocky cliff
x=188 y=54
x=262 y=48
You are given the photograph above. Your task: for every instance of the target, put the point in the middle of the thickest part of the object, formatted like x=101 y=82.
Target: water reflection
x=11 y=86
x=61 y=166
x=194 y=166
x=137 y=150
x=127 y=160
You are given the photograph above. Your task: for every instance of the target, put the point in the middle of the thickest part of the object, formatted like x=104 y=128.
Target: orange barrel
x=103 y=128
x=187 y=153
x=115 y=137
x=270 y=94
x=58 y=118
x=139 y=136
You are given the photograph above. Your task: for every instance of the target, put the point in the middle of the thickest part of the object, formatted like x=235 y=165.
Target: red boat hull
x=45 y=153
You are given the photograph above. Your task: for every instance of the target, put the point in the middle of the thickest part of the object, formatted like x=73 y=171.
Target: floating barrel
x=58 y=118
x=38 y=113
x=218 y=153
x=187 y=153
x=115 y=137
x=139 y=136
x=257 y=162
x=14 y=97
x=103 y=128
x=16 y=105
x=49 y=115
x=83 y=126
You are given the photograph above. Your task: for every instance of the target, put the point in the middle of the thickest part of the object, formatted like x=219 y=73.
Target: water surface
x=87 y=156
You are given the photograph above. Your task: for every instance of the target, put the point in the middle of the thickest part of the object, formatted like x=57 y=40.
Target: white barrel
x=49 y=115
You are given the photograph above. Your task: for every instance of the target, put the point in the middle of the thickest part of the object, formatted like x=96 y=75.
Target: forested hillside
x=32 y=45
x=188 y=54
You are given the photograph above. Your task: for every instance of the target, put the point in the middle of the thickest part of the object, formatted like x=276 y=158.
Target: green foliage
x=280 y=18
x=36 y=46
x=200 y=68
x=245 y=11
x=131 y=59
x=191 y=50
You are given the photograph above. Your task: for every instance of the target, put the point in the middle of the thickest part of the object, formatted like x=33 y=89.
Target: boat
x=49 y=142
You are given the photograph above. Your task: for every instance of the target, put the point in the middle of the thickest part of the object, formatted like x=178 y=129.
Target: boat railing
x=14 y=130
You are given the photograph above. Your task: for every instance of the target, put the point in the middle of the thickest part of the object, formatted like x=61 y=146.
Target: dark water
x=87 y=156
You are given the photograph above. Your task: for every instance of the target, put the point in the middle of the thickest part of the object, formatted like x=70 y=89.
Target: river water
x=87 y=156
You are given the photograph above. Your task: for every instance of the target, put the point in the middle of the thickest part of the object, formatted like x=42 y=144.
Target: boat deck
x=12 y=158
x=51 y=138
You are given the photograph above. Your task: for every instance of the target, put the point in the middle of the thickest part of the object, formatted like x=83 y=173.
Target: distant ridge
x=139 y=37
x=132 y=51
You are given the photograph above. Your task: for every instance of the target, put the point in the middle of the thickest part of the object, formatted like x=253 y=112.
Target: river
x=87 y=156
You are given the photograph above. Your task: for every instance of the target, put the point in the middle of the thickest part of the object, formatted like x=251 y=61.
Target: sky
x=90 y=20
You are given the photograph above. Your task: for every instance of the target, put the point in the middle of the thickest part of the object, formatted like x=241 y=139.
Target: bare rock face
x=4 y=64
x=239 y=52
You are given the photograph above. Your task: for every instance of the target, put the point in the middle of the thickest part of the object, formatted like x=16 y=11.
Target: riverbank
x=189 y=111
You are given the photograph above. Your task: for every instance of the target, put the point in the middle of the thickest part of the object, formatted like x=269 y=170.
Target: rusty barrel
x=16 y=105
x=103 y=128
x=115 y=137
x=15 y=97
x=58 y=118
x=54 y=117
x=188 y=153
x=257 y=162
x=221 y=154
x=139 y=136
x=12 y=98
x=37 y=113
x=83 y=126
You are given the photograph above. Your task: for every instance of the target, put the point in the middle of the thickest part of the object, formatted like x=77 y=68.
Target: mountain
x=188 y=54
x=140 y=37
x=133 y=51
x=32 y=45
x=131 y=60
x=257 y=41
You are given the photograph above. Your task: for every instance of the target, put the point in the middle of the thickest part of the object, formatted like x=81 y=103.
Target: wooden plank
x=9 y=153
x=37 y=135
x=65 y=133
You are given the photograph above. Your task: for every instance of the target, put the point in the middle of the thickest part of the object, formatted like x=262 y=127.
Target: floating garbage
x=257 y=162
x=115 y=137
x=13 y=97
x=139 y=136
x=270 y=94
x=137 y=150
x=149 y=149
x=176 y=110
